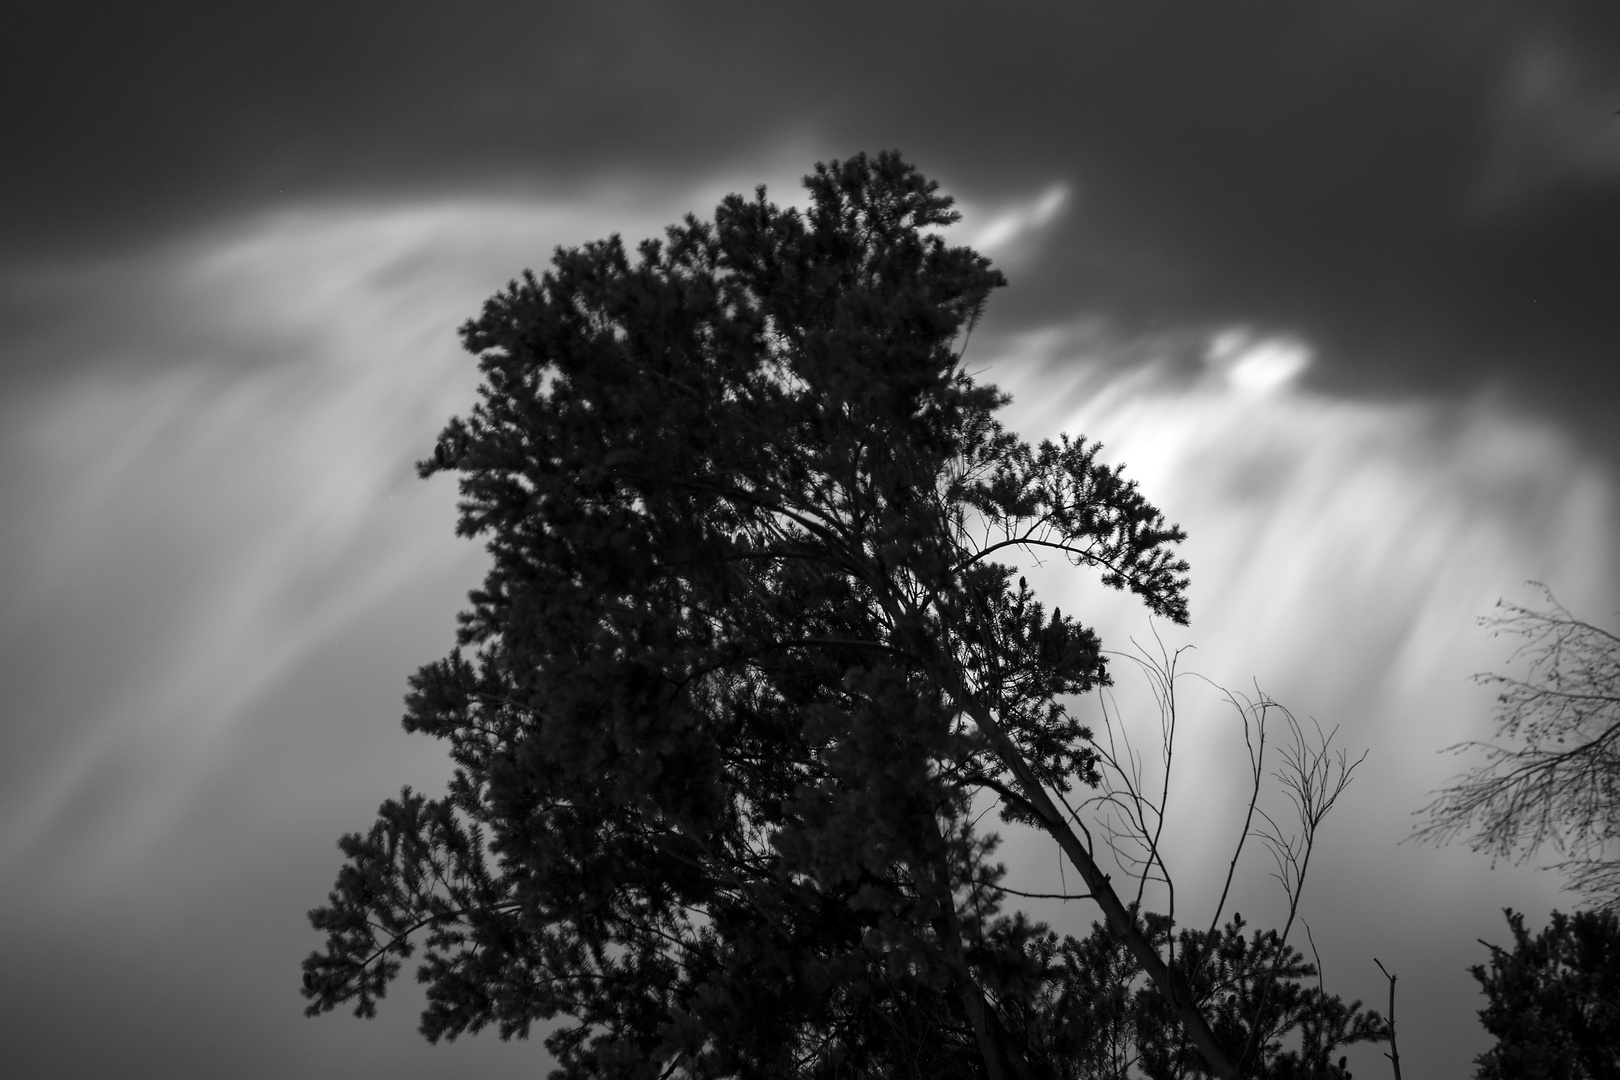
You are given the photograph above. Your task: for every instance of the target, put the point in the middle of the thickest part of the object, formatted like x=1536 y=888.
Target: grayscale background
x=1339 y=283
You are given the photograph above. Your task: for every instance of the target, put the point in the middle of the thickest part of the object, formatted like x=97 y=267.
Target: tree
x=742 y=665
x=1554 y=1000
x=1104 y=1020
x=1253 y=991
x=1554 y=776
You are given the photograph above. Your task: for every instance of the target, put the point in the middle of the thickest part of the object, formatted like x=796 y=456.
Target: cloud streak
x=1009 y=232
x=241 y=501
x=247 y=444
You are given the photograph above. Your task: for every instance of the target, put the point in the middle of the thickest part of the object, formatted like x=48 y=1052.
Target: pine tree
x=1553 y=1000
x=744 y=660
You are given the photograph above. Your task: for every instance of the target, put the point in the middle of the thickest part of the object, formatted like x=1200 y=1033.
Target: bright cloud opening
x=1257 y=365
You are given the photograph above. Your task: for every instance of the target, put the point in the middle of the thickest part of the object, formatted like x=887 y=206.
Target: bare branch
x=1313 y=776
x=1254 y=738
x=1552 y=777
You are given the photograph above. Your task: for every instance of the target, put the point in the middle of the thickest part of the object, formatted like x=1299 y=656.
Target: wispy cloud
x=209 y=506
x=1384 y=527
x=1010 y=231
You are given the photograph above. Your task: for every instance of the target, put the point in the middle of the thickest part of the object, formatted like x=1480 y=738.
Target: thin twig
x=1394 y=1053
x=1321 y=979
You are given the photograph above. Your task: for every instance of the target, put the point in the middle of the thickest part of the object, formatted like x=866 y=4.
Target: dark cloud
x=1431 y=192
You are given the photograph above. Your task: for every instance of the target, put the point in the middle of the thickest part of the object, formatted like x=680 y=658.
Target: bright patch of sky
x=1256 y=365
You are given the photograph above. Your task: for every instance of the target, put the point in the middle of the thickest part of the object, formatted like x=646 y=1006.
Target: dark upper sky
x=234 y=246
x=1428 y=190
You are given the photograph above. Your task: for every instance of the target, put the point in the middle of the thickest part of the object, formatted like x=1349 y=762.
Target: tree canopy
x=743 y=667
x=1553 y=1000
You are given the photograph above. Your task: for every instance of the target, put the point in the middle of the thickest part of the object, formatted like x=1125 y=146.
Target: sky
x=1338 y=284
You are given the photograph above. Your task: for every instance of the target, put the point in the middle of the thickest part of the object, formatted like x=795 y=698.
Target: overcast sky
x=1339 y=284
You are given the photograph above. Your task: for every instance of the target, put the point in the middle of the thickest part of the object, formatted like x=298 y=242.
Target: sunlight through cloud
x=1256 y=365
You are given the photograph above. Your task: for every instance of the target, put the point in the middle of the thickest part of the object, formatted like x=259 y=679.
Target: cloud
x=993 y=231
x=1010 y=231
x=1256 y=365
x=215 y=493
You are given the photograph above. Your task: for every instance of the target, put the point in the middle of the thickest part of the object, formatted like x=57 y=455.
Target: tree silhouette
x=742 y=664
x=1097 y=1017
x=1553 y=778
x=1554 y=1000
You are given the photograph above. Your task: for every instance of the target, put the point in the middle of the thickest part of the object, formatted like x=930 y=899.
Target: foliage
x=743 y=663
x=1554 y=1000
x=1098 y=1018
x=1555 y=778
